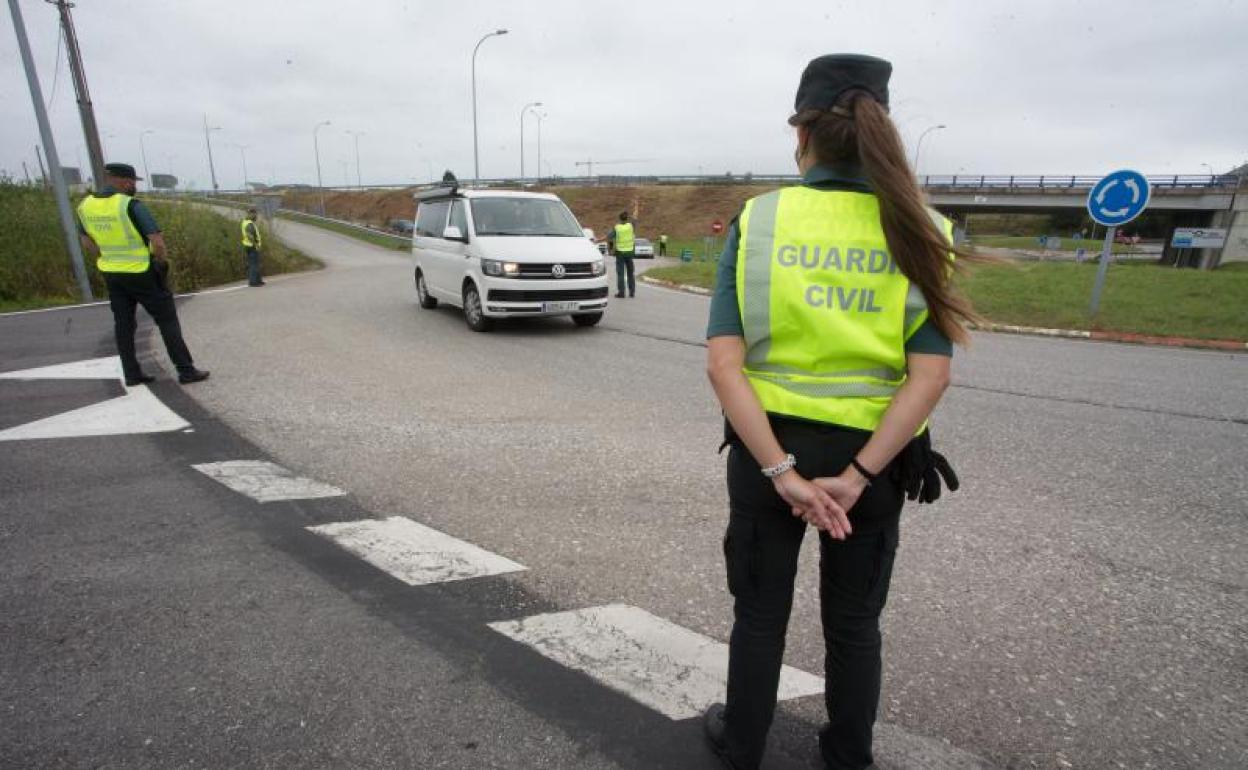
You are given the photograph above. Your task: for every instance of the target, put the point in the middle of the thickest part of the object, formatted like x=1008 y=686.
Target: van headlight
x=599 y=267
x=499 y=268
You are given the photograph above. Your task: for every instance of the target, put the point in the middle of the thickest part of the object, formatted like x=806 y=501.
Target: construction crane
x=589 y=164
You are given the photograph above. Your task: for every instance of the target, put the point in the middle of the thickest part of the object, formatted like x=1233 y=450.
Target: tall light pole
x=919 y=146
x=476 y=154
x=69 y=223
x=242 y=150
x=540 y=118
x=523 y=111
x=143 y=154
x=1206 y=165
x=316 y=147
x=212 y=170
x=357 y=135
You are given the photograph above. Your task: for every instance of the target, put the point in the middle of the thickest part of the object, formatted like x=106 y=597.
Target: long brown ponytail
x=920 y=249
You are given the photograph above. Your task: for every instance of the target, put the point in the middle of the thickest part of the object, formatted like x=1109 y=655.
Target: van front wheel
x=587 y=319
x=427 y=301
x=474 y=313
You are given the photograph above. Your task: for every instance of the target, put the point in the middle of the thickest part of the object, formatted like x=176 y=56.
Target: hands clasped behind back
x=816 y=505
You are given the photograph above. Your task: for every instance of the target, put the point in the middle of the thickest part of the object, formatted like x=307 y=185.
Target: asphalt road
x=1080 y=603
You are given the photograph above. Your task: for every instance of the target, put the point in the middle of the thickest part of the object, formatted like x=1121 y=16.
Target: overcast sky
x=1042 y=86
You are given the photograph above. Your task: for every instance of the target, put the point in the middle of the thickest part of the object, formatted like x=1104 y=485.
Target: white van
x=502 y=254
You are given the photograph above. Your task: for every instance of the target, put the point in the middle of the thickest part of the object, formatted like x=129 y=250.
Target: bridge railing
x=1072 y=182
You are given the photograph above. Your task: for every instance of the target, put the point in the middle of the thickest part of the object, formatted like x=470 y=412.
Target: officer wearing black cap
x=829 y=345
x=119 y=230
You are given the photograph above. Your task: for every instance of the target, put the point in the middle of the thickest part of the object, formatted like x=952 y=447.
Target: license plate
x=558 y=307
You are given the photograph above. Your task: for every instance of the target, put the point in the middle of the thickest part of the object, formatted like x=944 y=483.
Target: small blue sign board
x=1118 y=198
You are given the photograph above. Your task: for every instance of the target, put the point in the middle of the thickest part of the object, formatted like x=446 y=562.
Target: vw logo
x=558 y=271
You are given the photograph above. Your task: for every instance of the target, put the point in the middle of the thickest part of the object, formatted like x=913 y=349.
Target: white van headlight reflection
x=599 y=267
x=498 y=267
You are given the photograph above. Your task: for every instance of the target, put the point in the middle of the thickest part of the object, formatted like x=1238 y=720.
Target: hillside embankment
x=680 y=211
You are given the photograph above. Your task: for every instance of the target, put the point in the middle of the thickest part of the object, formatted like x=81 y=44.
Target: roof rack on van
x=447 y=190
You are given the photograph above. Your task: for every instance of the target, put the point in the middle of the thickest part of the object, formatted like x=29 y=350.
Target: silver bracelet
x=787 y=464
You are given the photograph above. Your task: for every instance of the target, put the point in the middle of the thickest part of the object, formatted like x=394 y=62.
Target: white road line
x=265 y=482
x=108 y=368
x=80 y=305
x=671 y=669
x=136 y=412
x=414 y=553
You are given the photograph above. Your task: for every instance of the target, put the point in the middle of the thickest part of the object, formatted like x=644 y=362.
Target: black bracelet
x=868 y=475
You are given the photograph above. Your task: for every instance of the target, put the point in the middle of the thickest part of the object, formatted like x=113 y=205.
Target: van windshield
x=524 y=217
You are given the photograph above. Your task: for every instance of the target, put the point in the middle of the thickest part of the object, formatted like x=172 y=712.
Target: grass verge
x=1138 y=298
x=396 y=242
x=204 y=251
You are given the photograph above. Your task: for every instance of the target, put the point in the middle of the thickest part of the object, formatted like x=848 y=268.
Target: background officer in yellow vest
x=252 y=243
x=621 y=241
x=119 y=230
x=829 y=345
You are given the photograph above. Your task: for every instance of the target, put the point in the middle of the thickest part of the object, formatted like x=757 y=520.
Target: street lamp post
x=356 y=135
x=524 y=110
x=540 y=118
x=1211 y=174
x=316 y=148
x=143 y=154
x=918 y=147
x=242 y=150
x=212 y=171
x=476 y=162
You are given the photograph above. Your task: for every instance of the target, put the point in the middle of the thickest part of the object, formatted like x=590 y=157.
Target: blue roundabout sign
x=1118 y=198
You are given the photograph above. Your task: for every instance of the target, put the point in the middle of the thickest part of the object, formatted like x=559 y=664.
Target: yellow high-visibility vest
x=624 y=237
x=247 y=238
x=107 y=222
x=825 y=309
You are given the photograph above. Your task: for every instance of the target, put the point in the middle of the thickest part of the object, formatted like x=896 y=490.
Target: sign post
x=1118 y=198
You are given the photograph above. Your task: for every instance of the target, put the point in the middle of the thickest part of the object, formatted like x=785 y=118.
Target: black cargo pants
x=761 y=549
x=128 y=290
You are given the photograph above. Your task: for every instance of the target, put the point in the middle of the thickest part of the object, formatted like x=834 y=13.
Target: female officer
x=829 y=347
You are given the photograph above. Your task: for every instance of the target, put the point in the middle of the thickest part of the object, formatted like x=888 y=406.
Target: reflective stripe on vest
x=624 y=237
x=247 y=238
x=107 y=222
x=825 y=310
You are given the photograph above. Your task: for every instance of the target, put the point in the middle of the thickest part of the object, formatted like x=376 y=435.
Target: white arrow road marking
x=265 y=482
x=91 y=369
x=136 y=412
x=673 y=670
x=1135 y=190
x=414 y=553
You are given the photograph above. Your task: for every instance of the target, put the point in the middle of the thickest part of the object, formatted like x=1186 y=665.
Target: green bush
x=204 y=250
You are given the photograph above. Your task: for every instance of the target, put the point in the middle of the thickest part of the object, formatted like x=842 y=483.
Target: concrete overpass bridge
x=1195 y=200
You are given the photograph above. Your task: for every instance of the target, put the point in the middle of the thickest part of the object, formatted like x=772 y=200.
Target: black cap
x=121 y=170
x=827 y=78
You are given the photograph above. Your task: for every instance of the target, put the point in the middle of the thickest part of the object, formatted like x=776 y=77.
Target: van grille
x=545 y=271
x=545 y=295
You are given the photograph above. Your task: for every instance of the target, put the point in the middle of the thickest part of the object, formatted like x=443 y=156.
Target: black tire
x=587 y=319
x=474 y=312
x=422 y=292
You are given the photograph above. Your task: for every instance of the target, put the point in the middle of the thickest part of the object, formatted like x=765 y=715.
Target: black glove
x=919 y=469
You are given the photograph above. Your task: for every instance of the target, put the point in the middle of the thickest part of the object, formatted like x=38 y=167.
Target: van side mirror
x=453 y=233
x=588 y=233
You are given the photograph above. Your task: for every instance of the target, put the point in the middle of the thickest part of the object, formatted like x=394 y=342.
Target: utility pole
x=90 y=131
x=68 y=223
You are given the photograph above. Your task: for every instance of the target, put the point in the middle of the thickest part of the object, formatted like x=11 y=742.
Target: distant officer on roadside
x=118 y=229
x=621 y=241
x=663 y=245
x=252 y=244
